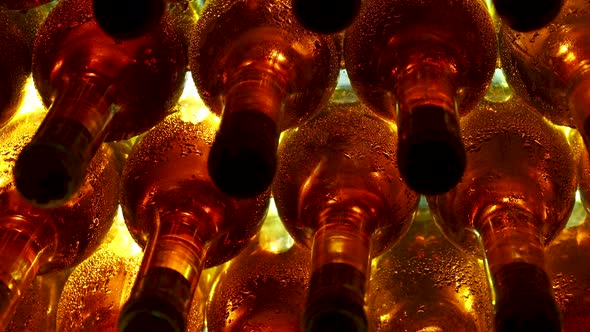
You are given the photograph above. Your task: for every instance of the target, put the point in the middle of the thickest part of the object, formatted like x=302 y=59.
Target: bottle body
x=517 y=194
x=273 y=298
x=170 y=203
x=425 y=283
x=37 y=241
x=422 y=69
x=547 y=66
x=338 y=192
x=262 y=74
x=17 y=35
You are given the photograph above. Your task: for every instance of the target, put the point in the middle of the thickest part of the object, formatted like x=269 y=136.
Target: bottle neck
x=340 y=267
x=21 y=255
x=431 y=156
x=579 y=105
x=242 y=161
x=511 y=236
x=65 y=142
x=523 y=292
x=168 y=276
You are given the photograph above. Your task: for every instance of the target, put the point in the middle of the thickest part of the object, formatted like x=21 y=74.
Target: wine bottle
x=37 y=310
x=527 y=15
x=424 y=64
x=548 y=67
x=170 y=203
x=99 y=89
x=128 y=19
x=17 y=34
x=326 y=16
x=259 y=69
x=338 y=192
x=97 y=289
x=425 y=283
x=565 y=257
x=517 y=194
x=264 y=287
x=38 y=241
x=21 y=4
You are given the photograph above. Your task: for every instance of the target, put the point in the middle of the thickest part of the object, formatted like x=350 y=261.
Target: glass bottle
x=17 y=34
x=326 y=16
x=338 y=192
x=259 y=69
x=423 y=64
x=425 y=283
x=174 y=210
x=517 y=194
x=566 y=256
x=527 y=15
x=37 y=310
x=549 y=67
x=97 y=289
x=98 y=89
x=264 y=287
x=38 y=241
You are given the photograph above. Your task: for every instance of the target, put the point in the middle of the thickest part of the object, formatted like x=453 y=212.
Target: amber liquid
x=17 y=34
x=256 y=66
x=517 y=193
x=264 y=287
x=169 y=198
x=338 y=190
x=548 y=65
x=40 y=240
x=97 y=289
x=425 y=283
x=410 y=63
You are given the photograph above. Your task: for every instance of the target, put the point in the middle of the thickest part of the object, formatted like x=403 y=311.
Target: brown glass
x=97 y=89
x=549 y=67
x=423 y=64
x=172 y=207
x=425 y=283
x=17 y=34
x=567 y=257
x=264 y=287
x=37 y=241
x=259 y=69
x=517 y=194
x=338 y=192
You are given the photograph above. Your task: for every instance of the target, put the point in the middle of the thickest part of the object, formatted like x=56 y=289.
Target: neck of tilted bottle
x=65 y=142
x=579 y=105
x=340 y=267
x=431 y=156
x=21 y=255
x=168 y=276
x=242 y=161
x=523 y=292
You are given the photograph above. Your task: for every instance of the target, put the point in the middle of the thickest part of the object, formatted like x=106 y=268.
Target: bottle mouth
x=46 y=174
x=150 y=314
x=431 y=155
x=128 y=19
x=327 y=16
x=525 y=300
x=242 y=161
